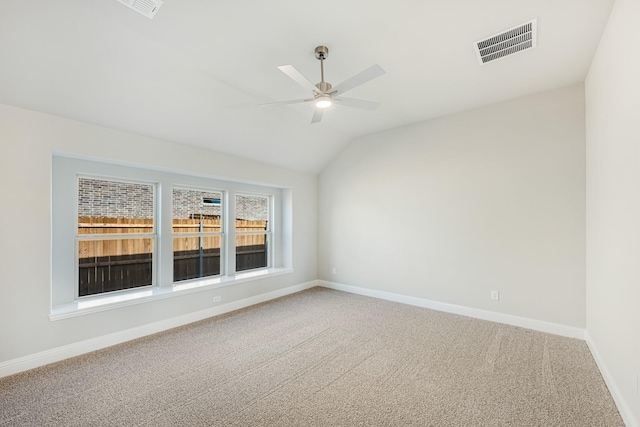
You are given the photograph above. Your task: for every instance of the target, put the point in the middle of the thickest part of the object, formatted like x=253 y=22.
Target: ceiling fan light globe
x=323 y=102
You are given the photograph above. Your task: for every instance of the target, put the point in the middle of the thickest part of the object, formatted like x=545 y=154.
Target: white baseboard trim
x=523 y=322
x=71 y=350
x=623 y=407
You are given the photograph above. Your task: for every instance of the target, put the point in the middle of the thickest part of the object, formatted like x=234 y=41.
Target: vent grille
x=147 y=8
x=507 y=43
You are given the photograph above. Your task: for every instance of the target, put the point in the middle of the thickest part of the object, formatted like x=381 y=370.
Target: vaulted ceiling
x=196 y=72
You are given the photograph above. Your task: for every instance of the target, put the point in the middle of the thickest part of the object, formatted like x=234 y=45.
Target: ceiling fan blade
x=357 y=103
x=360 y=78
x=317 y=115
x=297 y=76
x=291 y=101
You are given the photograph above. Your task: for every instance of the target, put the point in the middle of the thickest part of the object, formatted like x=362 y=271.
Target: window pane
x=196 y=210
x=252 y=213
x=110 y=207
x=195 y=257
x=114 y=265
x=251 y=251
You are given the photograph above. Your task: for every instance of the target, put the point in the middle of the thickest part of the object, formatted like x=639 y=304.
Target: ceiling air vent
x=146 y=7
x=507 y=43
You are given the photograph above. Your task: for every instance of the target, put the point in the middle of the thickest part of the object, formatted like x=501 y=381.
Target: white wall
x=452 y=208
x=613 y=203
x=28 y=139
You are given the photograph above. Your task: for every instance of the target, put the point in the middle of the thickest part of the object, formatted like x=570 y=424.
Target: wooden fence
x=124 y=246
x=122 y=263
x=100 y=225
x=114 y=273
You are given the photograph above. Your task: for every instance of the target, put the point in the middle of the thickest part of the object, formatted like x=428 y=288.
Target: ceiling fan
x=324 y=94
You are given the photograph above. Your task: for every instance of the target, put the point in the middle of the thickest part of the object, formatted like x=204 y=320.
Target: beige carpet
x=321 y=358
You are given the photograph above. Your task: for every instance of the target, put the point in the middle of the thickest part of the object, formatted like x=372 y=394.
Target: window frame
x=67 y=168
x=222 y=234
x=153 y=235
x=267 y=233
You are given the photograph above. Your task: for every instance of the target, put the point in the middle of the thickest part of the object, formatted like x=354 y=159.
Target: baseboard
x=523 y=322
x=623 y=407
x=64 y=352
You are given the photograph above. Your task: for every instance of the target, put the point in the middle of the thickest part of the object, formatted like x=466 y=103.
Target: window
x=197 y=229
x=122 y=234
x=115 y=235
x=252 y=231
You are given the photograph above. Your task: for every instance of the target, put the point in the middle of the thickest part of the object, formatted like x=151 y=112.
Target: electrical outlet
x=333 y=270
x=217 y=299
x=495 y=295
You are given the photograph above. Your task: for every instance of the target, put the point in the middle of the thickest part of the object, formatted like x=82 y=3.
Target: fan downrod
x=322 y=53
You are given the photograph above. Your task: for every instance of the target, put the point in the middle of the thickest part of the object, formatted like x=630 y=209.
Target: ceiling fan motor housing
x=324 y=87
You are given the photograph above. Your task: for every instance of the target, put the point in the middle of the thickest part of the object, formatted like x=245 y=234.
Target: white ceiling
x=196 y=73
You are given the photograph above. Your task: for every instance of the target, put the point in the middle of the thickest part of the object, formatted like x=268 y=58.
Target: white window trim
x=113 y=300
x=64 y=300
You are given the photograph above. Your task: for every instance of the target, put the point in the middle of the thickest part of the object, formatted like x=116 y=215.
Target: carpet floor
x=321 y=358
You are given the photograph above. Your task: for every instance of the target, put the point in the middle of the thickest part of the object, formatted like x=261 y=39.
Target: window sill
x=124 y=299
